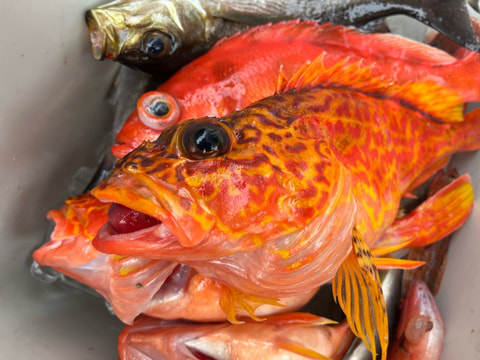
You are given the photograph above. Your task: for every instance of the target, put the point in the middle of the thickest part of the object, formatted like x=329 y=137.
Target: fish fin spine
x=435 y=101
x=357 y=289
x=234 y=301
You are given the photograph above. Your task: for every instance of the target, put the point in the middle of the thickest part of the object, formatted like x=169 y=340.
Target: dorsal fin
x=435 y=101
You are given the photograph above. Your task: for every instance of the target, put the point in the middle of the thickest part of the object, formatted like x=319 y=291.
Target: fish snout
x=97 y=34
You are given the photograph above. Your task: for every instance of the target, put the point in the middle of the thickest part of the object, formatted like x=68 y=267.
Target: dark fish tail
x=449 y=17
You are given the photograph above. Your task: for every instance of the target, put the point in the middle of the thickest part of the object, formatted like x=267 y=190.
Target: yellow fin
x=302 y=351
x=385 y=263
x=234 y=301
x=281 y=81
x=433 y=100
x=358 y=291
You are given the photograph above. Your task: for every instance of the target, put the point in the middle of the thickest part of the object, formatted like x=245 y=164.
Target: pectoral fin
x=234 y=301
x=357 y=289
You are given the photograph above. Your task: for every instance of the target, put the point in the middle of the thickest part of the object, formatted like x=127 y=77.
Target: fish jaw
x=178 y=228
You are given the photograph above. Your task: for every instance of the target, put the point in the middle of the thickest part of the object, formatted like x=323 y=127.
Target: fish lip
x=97 y=35
x=169 y=233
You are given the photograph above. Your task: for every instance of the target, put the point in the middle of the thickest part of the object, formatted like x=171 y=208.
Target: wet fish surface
x=420 y=331
x=264 y=190
x=160 y=36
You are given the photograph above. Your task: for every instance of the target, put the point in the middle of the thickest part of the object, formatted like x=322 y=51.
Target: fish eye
x=204 y=139
x=158 y=110
x=156 y=44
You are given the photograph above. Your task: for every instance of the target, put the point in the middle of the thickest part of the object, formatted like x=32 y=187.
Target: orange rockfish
x=292 y=336
x=290 y=192
x=135 y=285
x=244 y=68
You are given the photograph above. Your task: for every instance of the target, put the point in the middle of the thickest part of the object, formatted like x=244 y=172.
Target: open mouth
x=97 y=36
x=130 y=232
x=125 y=220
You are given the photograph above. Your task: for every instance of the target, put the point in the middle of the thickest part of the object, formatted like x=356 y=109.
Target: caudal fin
x=450 y=17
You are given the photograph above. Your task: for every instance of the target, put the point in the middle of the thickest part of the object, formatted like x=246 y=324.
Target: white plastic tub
x=54 y=118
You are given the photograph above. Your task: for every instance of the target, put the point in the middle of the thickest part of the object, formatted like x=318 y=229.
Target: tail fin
x=450 y=17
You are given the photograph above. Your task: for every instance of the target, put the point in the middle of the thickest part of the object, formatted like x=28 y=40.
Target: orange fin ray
x=301 y=350
x=298 y=318
x=234 y=301
x=386 y=263
x=358 y=291
x=434 y=219
x=436 y=101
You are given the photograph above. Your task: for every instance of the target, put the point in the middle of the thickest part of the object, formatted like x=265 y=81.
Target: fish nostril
x=97 y=36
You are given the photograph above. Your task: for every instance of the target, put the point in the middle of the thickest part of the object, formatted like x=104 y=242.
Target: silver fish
x=160 y=36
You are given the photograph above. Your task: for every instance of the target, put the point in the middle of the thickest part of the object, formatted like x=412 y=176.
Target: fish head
x=146 y=34
x=223 y=185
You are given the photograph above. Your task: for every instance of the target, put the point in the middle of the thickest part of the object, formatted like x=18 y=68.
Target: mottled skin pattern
x=244 y=68
x=301 y=170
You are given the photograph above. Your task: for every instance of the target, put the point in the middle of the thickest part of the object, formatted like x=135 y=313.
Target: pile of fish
x=270 y=162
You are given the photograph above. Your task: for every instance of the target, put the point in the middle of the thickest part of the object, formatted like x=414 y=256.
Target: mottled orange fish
x=292 y=336
x=292 y=191
x=135 y=285
x=244 y=68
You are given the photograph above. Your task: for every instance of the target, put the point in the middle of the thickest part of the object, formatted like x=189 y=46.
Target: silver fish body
x=160 y=36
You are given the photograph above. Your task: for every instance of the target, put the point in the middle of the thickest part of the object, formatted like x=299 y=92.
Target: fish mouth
x=149 y=219
x=130 y=232
x=97 y=35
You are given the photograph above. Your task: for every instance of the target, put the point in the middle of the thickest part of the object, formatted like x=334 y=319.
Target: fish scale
x=182 y=30
x=285 y=243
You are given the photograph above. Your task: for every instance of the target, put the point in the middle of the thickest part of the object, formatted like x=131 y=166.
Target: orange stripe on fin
x=302 y=351
x=358 y=291
x=385 y=263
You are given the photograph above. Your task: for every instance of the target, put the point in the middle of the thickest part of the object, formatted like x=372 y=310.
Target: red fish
x=292 y=336
x=420 y=331
x=292 y=191
x=135 y=285
x=244 y=68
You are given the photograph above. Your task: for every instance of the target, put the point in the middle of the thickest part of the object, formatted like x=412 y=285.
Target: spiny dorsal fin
x=435 y=101
x=357 y=289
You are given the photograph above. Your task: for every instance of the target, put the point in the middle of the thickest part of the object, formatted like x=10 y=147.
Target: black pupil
x=207 y=140
x=159 y=108
x=155 y=45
